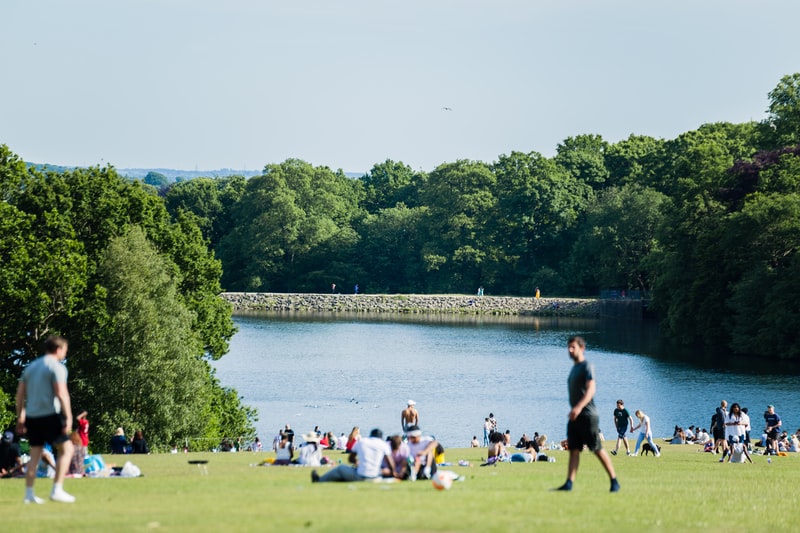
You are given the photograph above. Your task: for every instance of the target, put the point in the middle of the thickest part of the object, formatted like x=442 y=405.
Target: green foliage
x=97 y=258
x=616 y=239
x=782 y=125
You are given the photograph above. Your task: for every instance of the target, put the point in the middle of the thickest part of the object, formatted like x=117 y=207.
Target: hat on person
x=311 y=436
x=414 y=431
x=8 y=436
x=411 y=402
x=770 y=407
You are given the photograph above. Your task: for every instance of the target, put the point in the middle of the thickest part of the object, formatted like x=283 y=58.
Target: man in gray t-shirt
x=583 y=420
x=44 y=414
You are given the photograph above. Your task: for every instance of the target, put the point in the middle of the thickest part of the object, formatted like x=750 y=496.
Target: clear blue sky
x=241 y=83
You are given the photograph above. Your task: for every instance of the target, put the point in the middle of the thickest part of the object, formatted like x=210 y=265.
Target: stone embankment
x=413 y=304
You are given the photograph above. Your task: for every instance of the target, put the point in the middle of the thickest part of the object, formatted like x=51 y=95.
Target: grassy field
x=682 y=489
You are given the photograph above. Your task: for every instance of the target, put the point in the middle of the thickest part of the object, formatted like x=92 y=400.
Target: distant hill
x=173 y=174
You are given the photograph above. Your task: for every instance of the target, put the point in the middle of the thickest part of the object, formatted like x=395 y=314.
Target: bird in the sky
x=447 y=108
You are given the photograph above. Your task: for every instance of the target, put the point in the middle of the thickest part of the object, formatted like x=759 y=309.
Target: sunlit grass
x=682 y=489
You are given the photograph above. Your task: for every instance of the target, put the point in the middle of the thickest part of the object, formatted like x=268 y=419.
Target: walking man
x=622 y=421
x=44 y=413
x=583 y=427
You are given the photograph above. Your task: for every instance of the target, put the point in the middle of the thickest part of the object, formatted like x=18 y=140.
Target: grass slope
x=682 y=489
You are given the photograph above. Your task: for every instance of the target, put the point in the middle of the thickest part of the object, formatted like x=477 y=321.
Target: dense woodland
x=706 y=225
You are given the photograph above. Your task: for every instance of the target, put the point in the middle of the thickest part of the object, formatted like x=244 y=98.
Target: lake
x=340 y=371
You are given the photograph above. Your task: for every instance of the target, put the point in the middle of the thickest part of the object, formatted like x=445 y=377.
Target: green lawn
x=683 y=489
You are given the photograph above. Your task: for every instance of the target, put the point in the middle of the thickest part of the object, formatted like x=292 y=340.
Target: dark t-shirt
x=621 y=418
x=579 y=376
x=772 y=420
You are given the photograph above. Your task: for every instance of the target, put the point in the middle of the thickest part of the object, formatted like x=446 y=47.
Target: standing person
x=718 y=427
x=492 y=424
x=734 y=428
x=622 y=421
x=645 y=432
x=44 y=414
x=487 y=430
x=83 y=431
x=773 y=424
x=538 y=293
x=368 y=455
x=409 y=417
x=583 y=427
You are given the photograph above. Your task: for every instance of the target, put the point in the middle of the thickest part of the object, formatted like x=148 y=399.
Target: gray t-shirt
x=579 y=376
x=40 y=378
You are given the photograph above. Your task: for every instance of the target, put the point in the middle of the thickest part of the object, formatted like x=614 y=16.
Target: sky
x=347 y=84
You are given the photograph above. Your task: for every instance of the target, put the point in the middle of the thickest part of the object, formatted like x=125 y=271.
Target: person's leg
x=572 y=469
x=616 y=446
x=30 y=474
x=605 y=460
x=340 y=473
x=653 y=445
x=65 y=451
x=639 y=440
x=627 y=446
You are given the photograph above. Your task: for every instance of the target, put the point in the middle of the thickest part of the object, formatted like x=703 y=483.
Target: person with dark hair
x=139 y=443
x=10 y=456
x=44 y=414
x=622 y=421
x=583 y=427
x=368 y=455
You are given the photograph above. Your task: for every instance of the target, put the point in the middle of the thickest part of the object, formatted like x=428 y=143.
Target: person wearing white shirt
x=368 y=455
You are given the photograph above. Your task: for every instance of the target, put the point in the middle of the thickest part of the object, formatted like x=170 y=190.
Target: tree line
x=706 y=225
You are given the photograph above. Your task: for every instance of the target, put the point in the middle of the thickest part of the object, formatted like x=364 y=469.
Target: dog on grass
x=646 y=448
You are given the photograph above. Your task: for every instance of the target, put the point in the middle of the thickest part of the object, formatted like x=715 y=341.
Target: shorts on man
x=46 y=429
x=584 y=431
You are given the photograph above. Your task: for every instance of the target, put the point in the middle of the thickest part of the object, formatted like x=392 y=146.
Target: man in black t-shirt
x=622 y=421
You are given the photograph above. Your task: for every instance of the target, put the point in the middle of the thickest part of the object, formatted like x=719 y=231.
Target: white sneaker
x=62 y=496
x=34 y=499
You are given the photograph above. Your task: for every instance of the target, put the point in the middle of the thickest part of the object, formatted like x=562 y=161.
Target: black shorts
x=621 y=432
x=46 y=429
x=584 y=431
x=719 y=434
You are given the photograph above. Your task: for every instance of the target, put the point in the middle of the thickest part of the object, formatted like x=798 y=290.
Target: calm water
x=340 y=372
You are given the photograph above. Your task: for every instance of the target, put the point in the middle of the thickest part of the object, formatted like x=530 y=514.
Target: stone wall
x=413 y=304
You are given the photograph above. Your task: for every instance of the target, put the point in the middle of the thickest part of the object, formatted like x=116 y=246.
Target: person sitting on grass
x=422 y=449
x=283 y=453
x=497 y=449
x=368 y=455
x=400 y=453
x=738 y=451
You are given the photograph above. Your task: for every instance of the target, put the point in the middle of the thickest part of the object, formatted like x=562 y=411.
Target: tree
x=538 y=202
x=147 y=371
x=782 y=125
x=459 y=251
x=583 y=157
x=619 y=234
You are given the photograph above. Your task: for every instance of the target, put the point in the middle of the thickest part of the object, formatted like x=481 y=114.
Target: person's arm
x=21 y=408
x=62 y=393
x=390 y=461
x=591 y=387
x=630 y=421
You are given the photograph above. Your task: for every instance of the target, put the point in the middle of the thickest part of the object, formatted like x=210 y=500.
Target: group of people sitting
x=121 y=445
x=393 y=458
x=529 y=450
x=690 y=435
